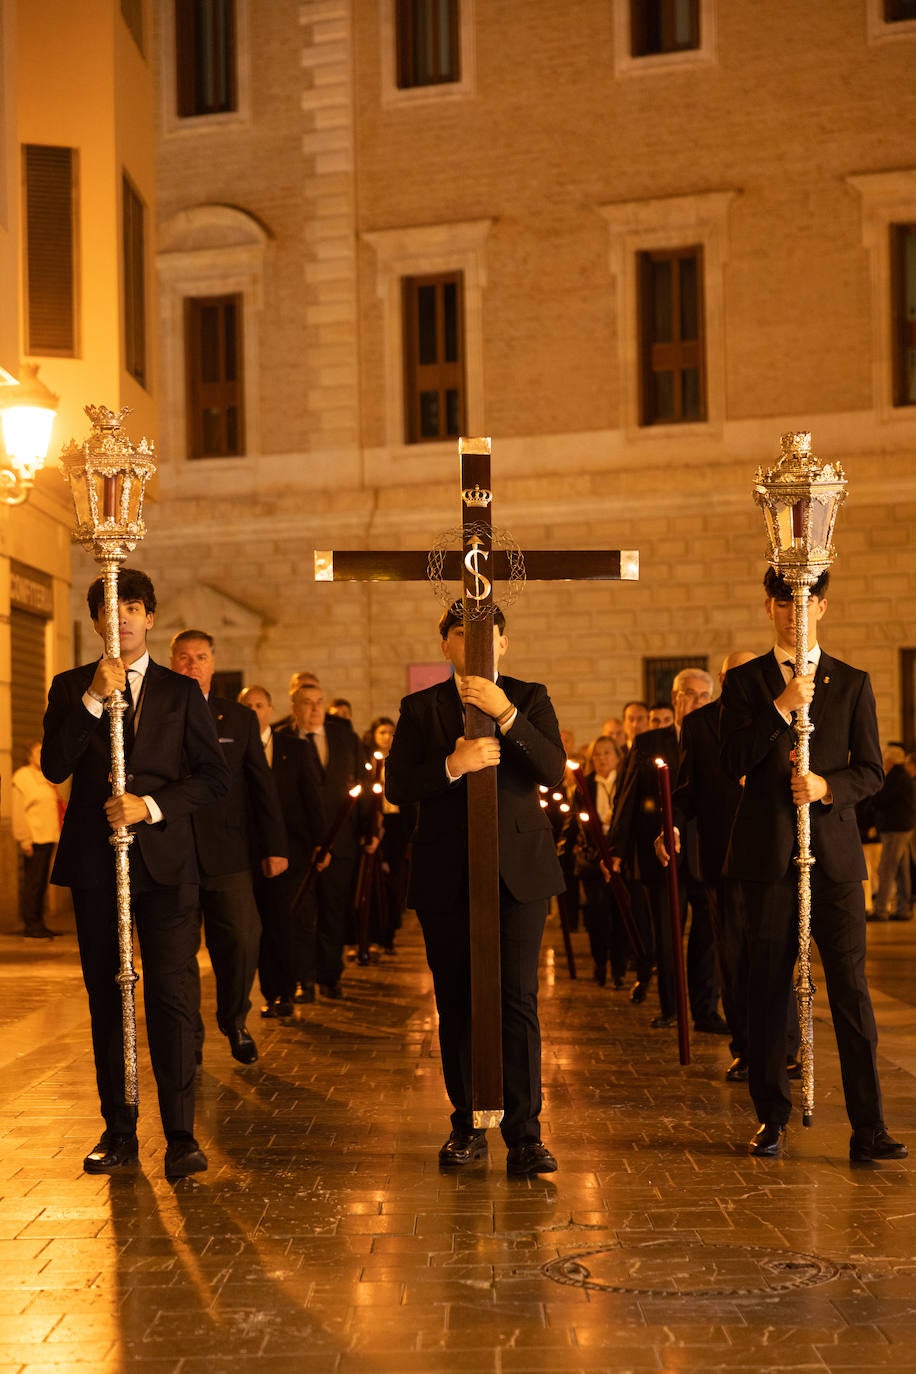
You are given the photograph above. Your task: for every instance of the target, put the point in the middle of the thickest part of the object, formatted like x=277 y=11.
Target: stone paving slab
x=325 y=1237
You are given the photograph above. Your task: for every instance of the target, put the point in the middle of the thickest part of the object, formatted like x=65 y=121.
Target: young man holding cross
x=428 y=763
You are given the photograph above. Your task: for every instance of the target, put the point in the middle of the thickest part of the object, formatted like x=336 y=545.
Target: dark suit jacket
x=299 y=788
x=249 y=813
x=756 y=745
x=637 y=822
x=705 y=792
x=894 y=807
x=531 y=753
x=175 y=759
x=345 y=766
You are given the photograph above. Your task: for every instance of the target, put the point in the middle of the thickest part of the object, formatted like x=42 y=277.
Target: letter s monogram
x=482 y=584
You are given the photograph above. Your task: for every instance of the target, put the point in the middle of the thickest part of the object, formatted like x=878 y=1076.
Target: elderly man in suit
x=249 y=817
x=338 y=755
x=287 y=954
x=429 y=759
x=634 y=827
x=174 y=767
x=758 y=700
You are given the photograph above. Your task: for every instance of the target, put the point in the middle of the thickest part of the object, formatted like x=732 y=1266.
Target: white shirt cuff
x=95 y=708
x=155 y=815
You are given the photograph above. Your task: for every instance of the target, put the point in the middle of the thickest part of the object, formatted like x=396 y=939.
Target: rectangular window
x=50 y=249
x=205 y=57
x=903 y=312
x=214 y=386
x=658 y=674
x=132 y=13
x=434 y=357
x=897 y=11
x=658 y=26
x=427 y=42
x=134 y=284
x=671 y=345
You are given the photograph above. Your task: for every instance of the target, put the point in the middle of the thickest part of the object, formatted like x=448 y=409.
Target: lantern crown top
x=800 y=498
x=798 y=465
x=100 y=417
x=107 y=476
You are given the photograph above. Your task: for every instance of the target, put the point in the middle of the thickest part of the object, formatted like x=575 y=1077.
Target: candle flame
x=355 y=791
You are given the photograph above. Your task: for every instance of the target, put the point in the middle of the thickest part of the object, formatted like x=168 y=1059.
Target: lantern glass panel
x=820 y=522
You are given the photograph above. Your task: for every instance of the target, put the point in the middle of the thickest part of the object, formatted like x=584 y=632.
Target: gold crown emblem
x=477 y=496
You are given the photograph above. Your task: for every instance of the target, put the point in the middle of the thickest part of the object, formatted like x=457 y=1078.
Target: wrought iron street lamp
x=27 y=411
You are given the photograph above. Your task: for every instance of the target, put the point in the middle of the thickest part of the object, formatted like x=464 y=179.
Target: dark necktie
x=129 y=731
x=311 y=739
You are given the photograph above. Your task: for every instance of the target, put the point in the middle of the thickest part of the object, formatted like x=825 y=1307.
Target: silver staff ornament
x=800 y=498
x=108 y=476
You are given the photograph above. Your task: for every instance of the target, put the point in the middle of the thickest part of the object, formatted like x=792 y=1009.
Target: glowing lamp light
x=27 y=411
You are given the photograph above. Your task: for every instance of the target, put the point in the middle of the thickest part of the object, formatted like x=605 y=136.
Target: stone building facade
x=780 y=144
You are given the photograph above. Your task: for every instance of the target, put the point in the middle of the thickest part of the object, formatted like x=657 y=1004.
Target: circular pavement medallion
x=667 y=1268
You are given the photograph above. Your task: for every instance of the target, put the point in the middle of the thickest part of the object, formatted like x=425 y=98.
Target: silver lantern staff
x=800 y=499
x=107 y=477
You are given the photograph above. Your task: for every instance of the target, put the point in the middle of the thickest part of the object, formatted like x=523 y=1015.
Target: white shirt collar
x=814 y=655
x=139 y=666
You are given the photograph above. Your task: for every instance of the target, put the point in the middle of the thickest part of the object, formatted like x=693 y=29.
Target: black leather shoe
x=737 y=1071
x=619 y=984
x=663 y=1022
x=599 y=975
x=279 y=1007
x=113 y=1154
x=332 y=990
x=531 y=1158
x=870 y=1144
x=712 y=1025
x=640 y=992
x=241 y=1046
x=305 y=994
x=769 y=1140
x=793 y=1068
x=463 y=1147
x=184 y=1157
x=41 y=932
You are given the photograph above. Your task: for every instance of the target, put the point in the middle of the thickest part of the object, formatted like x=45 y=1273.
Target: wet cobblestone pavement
x=325 y=1237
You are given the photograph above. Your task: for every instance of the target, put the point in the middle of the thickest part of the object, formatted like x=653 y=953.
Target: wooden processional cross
x=477 y=565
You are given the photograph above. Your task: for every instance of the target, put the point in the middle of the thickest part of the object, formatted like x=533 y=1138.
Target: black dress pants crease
x=447 y=938
x=232 y=928
x=335 y=905
x=838 y=928
x=33 y=884
x=167 y=930
x=287 y=952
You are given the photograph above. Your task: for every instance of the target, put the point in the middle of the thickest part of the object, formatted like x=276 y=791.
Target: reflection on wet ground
x=324 y=1236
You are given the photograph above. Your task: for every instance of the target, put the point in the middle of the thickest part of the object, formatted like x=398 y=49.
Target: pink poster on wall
x=420 y=675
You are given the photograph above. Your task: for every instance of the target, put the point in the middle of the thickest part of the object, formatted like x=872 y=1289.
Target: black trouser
x=838 y=927
x=607 y=936
x=702 y=977
x=335 y=905
x=287 y=953
x=731 y=934
x=232 y=928
x=167 y=928
x=702 y=955
x=521 y=926
x=33 y=884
